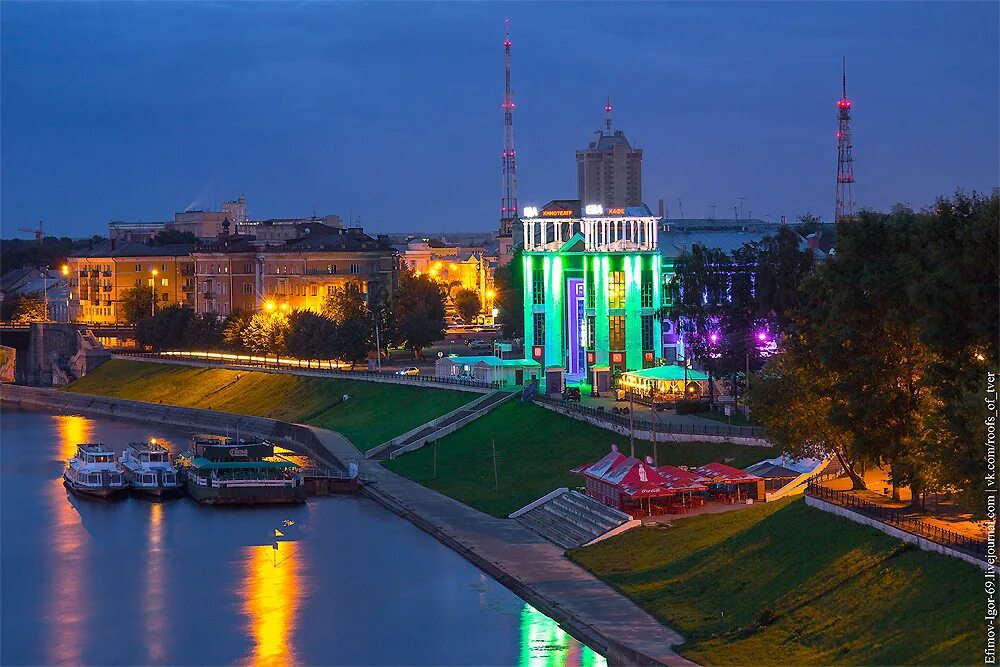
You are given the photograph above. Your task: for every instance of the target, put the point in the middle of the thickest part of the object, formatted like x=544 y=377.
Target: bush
x=688 y=407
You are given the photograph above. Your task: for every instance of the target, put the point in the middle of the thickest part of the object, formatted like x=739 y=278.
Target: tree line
x=887 y=346
x=343 y=330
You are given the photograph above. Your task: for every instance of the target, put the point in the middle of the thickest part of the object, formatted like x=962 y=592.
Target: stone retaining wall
x=920 y=542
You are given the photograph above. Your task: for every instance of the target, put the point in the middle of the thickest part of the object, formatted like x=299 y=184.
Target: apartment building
x=98 y=278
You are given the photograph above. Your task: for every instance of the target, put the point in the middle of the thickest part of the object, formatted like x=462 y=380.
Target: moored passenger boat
x=95 y=472
x=148 y=470
x=224 y=471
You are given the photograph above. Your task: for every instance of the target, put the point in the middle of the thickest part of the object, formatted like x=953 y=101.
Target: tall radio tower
x=845 y=163
x=508 y=168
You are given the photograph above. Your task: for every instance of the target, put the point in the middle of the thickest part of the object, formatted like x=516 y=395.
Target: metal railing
x=283 y=363
x=665 y=427
x=899 y=518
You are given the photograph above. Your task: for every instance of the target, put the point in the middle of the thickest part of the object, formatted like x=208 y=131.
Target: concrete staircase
x=570 y=519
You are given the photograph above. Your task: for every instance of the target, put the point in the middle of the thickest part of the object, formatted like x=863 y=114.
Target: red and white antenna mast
x=607 y=117
x=508 y=169
x=845 y=162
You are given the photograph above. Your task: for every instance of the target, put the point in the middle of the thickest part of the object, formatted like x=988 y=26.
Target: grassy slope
x=535 y=450
x=374 y=413
x=842 y=593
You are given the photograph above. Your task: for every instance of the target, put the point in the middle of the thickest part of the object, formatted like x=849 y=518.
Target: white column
x=527 y=241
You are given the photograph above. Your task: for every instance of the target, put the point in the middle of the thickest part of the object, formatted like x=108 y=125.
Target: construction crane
x=39 y=233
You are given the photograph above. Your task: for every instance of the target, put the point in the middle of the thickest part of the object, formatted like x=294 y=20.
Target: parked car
x=412 y=370
x=571 y=394
x=479 y=344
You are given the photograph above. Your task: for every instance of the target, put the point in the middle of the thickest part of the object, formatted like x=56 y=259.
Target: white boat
x=95 y=472
x=148 y=469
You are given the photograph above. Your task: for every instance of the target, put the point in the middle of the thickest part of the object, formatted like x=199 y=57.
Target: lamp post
x=713 y=338
x=152 y=294
x=64 y=269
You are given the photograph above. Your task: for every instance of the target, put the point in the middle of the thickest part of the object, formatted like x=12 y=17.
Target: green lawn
x=374 y=413
x=535 y=450
x=784 y=583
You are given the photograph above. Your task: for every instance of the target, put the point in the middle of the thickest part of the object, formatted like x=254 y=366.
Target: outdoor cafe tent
x=664 y=382
x=631 y=485
x=732 y=481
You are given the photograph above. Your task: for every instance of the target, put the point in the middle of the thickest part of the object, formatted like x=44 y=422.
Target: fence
x=899 y=519
x=668 y=427
x=314 y=366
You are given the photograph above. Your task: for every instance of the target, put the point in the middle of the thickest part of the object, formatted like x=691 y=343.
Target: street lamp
x=64 y=269
x=269 y=305
x=152 y=291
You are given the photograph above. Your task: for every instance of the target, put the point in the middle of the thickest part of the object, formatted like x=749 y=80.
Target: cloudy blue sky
x=391 y=112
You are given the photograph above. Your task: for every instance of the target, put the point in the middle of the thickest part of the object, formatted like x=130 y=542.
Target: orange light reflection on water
x=271 y=597
x=153 y=594
x=68 y=581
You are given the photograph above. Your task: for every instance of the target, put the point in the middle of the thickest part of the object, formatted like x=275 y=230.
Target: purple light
x=713 y=338
x=762 y=336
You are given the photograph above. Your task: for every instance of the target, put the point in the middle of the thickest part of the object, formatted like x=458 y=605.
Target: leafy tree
x=204 y=332
x=467 y=304
x=509 y=286
x=354 y=340
x=265 y=333
x=344 y=302
x=136 y=304
x=781 y=267
x=173 y=237
x=382 y=307
x=310 y=336
x=166 y=330
x=419 y=311
x=232 y=329
x=30 y=308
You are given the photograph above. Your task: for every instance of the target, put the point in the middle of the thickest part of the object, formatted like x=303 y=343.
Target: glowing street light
x=269 y=305
x=152 y=291
x=65 y=269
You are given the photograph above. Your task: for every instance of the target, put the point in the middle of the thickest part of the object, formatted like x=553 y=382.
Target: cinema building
x=593 y=283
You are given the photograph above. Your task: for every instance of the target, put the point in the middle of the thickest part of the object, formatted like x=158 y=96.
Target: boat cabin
x=94 y=453
x=149 y=452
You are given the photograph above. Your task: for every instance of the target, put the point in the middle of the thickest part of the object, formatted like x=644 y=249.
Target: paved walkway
x=531 y=566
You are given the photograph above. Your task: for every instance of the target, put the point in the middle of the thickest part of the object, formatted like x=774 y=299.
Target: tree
x=265 y=333
x=344 y=302
x=781 y=267
x=382 y=307
x=173 y=237
x=204 y=332
x=232 y=329
x=354 y=340
x=136 y=304
x=30 y=308
x=419 y=311
x=310 y=336
x=509 y=285
x=166 y=330
x=467 y=304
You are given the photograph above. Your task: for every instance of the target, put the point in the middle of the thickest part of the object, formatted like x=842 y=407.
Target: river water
x=175 y=583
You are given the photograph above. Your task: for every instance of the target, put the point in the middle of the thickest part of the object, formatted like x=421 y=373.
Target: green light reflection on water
x=545 y=644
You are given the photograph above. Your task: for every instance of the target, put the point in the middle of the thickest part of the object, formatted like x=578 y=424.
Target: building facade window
x=247 y=288
x=538 y=288
x=646 y=290
x=647 y=332
x=616 y=290
x=539 y=328
x=355 y=268
x=616 y=340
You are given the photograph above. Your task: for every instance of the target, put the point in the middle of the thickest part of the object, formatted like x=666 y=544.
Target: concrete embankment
x=533 y=568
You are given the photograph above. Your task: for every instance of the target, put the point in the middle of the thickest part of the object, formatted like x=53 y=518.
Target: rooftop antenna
x=680 y=208
x=741 y=200
x=845 y=161
x=607 y=117
x=712 y=216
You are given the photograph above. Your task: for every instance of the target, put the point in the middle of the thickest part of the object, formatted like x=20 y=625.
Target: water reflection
x=154 y=604
x=271 y=596
x=545 y=644
x=68 y=584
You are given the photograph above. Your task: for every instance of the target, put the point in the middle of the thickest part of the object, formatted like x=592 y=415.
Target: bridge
x=98 y=329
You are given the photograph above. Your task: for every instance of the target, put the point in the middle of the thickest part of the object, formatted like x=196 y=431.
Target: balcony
x=107 y=274
x=208 y=295
x=106 y=288
x=83 y=273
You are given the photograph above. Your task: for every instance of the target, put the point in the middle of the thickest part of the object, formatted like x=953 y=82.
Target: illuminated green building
x=593 y=283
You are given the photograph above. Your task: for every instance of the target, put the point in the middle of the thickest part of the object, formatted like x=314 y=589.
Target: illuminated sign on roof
x=557 y=214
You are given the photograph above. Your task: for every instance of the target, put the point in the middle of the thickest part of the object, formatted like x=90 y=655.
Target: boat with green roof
x=227 y=471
